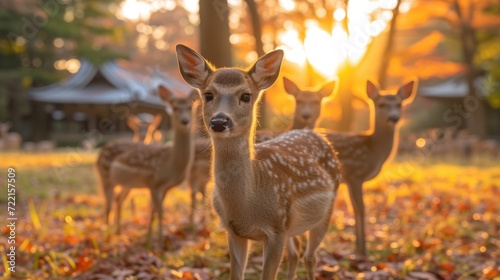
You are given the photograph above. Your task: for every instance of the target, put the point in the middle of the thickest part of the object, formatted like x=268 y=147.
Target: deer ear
x=194 y=95
x=193 y=67
x=328 y=89
x=133 y=122
x=267 y=69
x=165 y=93
x=156 y=121
x=407 y=91
x=290 y=87
x=372 y=90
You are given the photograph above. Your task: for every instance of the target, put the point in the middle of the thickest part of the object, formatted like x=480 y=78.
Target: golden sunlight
x=323 y=51
x=141 y=10
x=339 y=14
x=134 y=10
x=292 y=45
x=326 y=51
x=191 y=6
x=288 y=5
x=420 y=142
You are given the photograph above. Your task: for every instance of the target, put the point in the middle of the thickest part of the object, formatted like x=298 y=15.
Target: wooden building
x=95 y=102
x=446 y=103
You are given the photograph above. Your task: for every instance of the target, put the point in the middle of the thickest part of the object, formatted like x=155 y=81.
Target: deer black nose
x=394 y=118
x=306 y=116
x=219 y=123
x=184 y=121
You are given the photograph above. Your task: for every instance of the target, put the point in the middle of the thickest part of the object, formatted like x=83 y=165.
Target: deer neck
x=383 y=139
x=182 y=152
x=233 y=171
x=298 y=123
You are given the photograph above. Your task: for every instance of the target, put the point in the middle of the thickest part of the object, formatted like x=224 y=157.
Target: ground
x=426 y=219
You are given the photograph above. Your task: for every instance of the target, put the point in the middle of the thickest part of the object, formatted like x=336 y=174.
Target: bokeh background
x=75 y=74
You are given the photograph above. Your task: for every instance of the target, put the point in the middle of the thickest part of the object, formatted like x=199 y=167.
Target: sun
x=134 y=10
x=325 y=51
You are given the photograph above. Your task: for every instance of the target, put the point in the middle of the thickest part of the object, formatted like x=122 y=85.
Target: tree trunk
x=256 y=26
x=345 y=81
x=214 y=32
x=345 y=96
x=259 y=49
x=14 y=105
x=386 y=56
x=473 y=104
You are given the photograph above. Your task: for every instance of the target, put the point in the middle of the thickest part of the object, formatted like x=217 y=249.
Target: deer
x=363 y=154
x=269 y=192
x=145 y=129
x=307 y=112
x=157 y=167
x=9 y=140
x=307 y=103
x=199 y=176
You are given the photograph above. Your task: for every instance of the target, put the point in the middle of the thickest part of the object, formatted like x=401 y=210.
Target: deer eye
x=208 y=96
x=246 y=97
x=381 y=105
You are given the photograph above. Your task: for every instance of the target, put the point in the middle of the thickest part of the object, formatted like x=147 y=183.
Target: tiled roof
x=108 y=84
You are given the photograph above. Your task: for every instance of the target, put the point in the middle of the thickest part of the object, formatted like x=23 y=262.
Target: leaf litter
x=440 y=222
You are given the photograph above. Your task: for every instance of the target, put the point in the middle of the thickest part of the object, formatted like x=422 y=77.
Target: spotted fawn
x=363 y=155
x=269 y=192
x=156 y=167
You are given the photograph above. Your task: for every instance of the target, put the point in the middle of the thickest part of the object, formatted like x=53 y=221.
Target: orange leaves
x=425 y=68
x=422 y=58
x=442 y=224
x=426 y=46
x=447 y=266
x=422 y=13
x=491 y=273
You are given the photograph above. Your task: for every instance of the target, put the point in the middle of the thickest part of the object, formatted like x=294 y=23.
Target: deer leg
x=315 y=237
x=194 y=191
x=238 y=253
x=157 y=199
x=108 y=200
x=120 y=198
x=293 y=248
x=273 y=251
x=356 y=194
x=203 y=190
x=152 y=212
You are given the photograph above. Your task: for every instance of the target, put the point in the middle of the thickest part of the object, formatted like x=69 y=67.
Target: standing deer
x=363 y=155
x=199 y=176
x=307 y=112
x=200 y=173
x=9 y=140
x=307 y=103
x=269 y=192
x=156 y=167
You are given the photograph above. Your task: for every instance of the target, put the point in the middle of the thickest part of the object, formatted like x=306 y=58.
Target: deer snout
x=184 y=121
x=306 y=116
x=394 y=119
x=219 y=123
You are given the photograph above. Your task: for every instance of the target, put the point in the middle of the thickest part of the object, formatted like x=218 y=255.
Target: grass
x=426 y=219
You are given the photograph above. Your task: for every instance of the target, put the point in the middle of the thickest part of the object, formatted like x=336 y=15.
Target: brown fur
x=363 y=155
x=156 y=167
x=307 y=103
x=268 y=192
